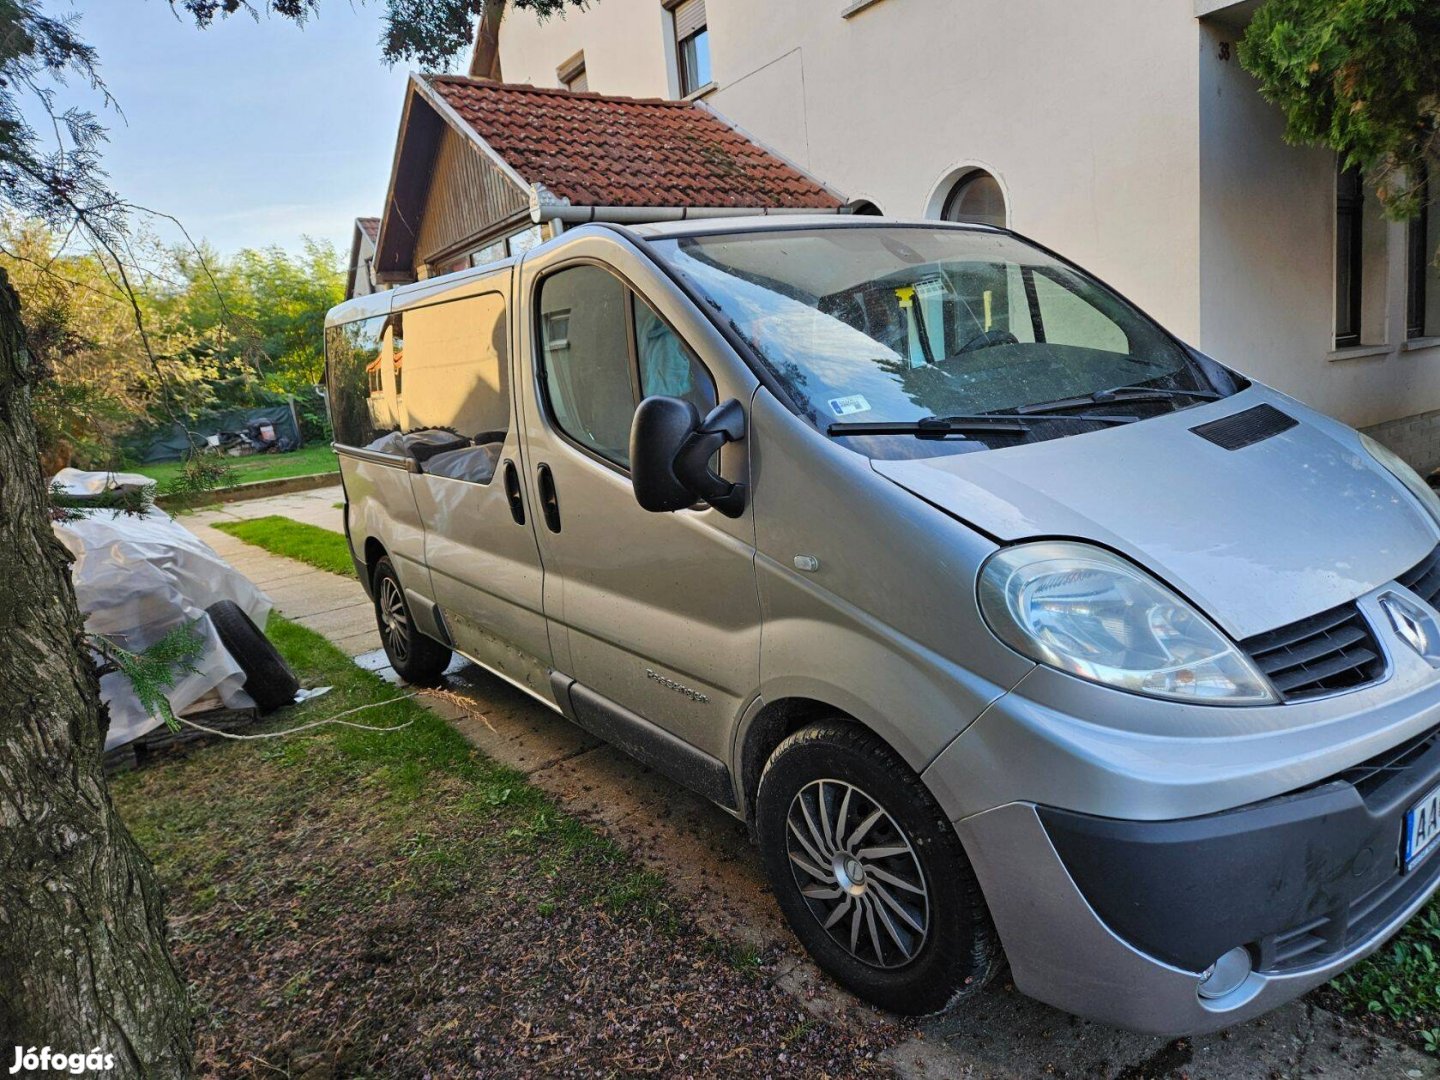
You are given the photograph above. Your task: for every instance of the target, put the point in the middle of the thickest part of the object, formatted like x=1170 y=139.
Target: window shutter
x=689 y=17
x=579 y=83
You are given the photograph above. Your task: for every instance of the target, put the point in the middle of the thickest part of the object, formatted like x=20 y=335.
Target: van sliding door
x=480 y=545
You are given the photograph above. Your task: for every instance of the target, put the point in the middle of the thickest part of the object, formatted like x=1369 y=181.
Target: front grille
x=1424 y=580
x=1321 y=654
x=1313 y=942
x=1369 y=776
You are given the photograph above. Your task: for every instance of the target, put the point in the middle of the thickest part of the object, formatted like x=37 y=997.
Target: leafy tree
x=428 y=32
x=80 y=328
x=225 y=330
x=263 y=307
x=431 y=32
x=1361 y=77
x=83 y=955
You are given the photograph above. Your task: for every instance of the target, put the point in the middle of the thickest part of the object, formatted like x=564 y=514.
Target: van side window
x=1070 y=320
x=397 y=351
x=603 y=348
x=457 y=398
x=362 y=410
x=667 y=366
x=585 y=353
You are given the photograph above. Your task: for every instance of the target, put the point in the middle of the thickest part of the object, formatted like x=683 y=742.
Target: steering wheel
x=986 y=339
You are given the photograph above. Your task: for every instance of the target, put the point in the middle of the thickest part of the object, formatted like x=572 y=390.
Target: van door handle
x=512 y=493
x=549 y=501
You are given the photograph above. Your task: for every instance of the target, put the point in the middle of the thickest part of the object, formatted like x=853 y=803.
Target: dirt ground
x=352 y=905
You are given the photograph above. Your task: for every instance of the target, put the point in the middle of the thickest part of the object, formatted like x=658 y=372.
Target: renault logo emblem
x=1415 y=625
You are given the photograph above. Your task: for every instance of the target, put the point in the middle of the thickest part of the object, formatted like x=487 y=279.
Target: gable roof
x=542 y=155
x=369 y=228
x=593 y=150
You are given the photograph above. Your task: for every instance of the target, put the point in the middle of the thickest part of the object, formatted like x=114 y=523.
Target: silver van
x=1018 y=630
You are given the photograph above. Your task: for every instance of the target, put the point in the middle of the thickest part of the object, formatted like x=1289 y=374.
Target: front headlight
x=1083 y=610
x=1395 y=465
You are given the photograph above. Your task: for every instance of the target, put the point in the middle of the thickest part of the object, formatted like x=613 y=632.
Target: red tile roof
x=371 y=225
x=613 y=151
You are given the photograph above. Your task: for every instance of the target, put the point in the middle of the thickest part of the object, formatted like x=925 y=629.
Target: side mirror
x=670 y=452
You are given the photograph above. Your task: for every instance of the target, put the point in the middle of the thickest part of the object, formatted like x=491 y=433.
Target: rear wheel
x=416 y=658
x=869 y=872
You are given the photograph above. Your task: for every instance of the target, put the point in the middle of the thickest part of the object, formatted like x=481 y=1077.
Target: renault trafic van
x=1017 y=629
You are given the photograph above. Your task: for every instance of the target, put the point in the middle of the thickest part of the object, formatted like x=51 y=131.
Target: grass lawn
x=349 y=902
x=308 y=460
x=295 y=540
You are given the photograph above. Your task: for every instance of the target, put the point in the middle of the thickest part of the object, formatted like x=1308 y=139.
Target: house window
x=1422 y=297
x=1349 y=256
x=488 y=254
x=557 y=329
x=976 y=197
x=521 y=242
x=692 y=45
x=572 y=74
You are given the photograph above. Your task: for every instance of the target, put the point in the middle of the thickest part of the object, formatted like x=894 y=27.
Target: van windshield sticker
x=845 y=406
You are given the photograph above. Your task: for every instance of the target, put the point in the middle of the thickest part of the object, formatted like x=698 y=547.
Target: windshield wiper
x=1121 y=395
x=938 y=427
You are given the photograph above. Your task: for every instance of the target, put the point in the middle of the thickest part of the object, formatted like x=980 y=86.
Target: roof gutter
x=546 y=207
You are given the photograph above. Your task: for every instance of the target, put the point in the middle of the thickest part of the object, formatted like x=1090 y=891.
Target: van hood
x=1295 y=524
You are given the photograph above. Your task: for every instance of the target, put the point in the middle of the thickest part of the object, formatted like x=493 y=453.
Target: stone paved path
x=707 y=856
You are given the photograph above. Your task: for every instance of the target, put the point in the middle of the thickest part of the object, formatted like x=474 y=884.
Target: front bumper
x=1115 y=920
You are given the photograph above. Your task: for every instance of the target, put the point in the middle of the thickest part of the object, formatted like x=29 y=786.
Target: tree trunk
x=83 y=959
x=485 y=57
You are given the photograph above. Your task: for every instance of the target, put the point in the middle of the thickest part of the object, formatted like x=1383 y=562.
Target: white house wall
x=889 y=103
x=1267 y=269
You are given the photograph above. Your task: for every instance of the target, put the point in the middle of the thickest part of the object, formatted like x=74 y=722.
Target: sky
x=251 y=133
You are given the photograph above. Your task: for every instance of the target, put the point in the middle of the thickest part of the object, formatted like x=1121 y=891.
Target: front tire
x=416 y=658
x=870 y=874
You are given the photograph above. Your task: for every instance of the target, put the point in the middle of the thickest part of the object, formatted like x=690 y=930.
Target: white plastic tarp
x=81 y=484
x=137 y=577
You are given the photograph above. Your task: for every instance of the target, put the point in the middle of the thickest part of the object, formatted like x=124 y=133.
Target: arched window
x=865 y=208
x=976 y=197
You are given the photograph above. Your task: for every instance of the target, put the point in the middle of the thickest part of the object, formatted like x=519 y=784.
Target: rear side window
x=602 y=349
x=360 y=367
x=456 y=367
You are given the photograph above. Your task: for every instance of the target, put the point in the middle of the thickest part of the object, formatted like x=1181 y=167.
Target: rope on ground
x=313 y=724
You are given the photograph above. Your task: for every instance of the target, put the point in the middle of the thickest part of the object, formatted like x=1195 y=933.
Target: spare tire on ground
x=268 y=679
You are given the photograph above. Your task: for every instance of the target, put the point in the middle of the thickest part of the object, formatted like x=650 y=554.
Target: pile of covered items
x=139 y=576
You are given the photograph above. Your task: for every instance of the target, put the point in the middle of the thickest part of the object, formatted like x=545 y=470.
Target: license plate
x=1422 y=827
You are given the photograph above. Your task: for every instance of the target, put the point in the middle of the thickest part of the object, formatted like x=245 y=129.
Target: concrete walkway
x=707 y=857
x=326 y=603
